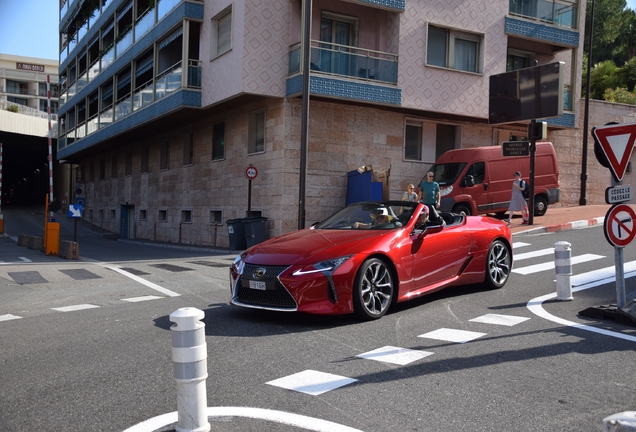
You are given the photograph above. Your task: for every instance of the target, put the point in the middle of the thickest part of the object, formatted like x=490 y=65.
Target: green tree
x=604 y=75
x=609 y=20
x=620 y=95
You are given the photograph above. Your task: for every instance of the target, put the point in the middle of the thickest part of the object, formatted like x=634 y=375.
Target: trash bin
x=255 y=229
x=236 y=231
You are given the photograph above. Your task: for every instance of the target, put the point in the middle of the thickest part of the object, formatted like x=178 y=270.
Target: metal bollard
x=621 y=422
x=189 y=358
x=563 y=267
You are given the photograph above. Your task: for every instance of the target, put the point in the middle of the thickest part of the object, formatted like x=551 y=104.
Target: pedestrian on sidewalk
x=429 y=191
x=517 y=201
x=410 y=194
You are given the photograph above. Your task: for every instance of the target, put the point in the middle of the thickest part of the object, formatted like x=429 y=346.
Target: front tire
x=498 y=265
x=462 y=209
x=373 y=290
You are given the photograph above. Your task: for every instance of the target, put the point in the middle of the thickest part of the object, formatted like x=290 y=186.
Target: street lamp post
x=582 y=199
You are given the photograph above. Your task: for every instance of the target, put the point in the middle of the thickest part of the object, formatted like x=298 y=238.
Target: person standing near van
x=517 y=201
x=410 y=194
x=429 y=191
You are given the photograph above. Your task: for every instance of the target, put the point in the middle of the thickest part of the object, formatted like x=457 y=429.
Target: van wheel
x=540 y=205
x=462 y=209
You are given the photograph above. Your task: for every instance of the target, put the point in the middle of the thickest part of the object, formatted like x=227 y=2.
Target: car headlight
x=445 y=191
x=238 y=264
x=327 y=266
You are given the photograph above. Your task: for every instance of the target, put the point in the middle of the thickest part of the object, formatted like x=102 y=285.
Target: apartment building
x=165 y=103
x=23 y=83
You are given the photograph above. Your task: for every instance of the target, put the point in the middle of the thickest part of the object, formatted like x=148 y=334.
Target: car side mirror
x=469 y=180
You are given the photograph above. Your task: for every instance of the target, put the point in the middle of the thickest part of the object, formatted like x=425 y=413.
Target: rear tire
x=462 y=209
x=373 y=289
x=498 y=265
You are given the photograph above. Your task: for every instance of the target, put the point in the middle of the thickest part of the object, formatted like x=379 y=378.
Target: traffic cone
x=526 y=215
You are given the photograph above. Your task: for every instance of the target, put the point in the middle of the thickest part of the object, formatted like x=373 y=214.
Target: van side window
x=478 y=171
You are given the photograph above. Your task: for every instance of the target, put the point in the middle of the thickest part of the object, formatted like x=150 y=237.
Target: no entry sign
x=620 y=225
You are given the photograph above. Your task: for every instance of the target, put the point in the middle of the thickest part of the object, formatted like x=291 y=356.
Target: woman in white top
x=410 y=194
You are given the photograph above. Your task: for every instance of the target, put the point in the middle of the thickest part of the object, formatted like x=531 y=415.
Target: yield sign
x=617 y=142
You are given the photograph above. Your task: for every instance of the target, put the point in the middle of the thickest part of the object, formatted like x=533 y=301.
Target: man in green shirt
x=429 y=191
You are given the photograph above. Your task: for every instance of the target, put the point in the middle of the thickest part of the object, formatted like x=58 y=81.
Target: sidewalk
x=563 y=218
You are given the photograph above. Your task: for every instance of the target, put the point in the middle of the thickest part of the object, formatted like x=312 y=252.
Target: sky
x=30 y=27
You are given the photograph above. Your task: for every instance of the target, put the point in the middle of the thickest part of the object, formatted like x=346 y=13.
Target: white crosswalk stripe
x=550 y=265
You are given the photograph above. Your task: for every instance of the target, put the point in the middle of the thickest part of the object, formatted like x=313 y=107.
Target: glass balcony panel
x=80 y=131
x=165 y=6
x=108 y=58
x=62 y=99
x=72 y=90
x=124 y=43
x=63 y=54
x=92 y=125
x=70 y=135
x=106 y=117
x=553 y=12
x=294 y=58
x=144 y=23
x=567 y=98
x=93 y=71
x=64 y=9
x=142 y=96
x=160 y=87
x=61 y=142
x=82 y=31
x=173 y=81
x=123 y=107
x=82 y=81
x=105 y=4
x=194 y=73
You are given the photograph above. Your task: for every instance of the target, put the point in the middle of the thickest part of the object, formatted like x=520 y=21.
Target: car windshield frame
x=363 y=215
x=445 y=174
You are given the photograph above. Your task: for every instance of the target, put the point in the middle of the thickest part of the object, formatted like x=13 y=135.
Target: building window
x=216 y=217
x=221 y=33
x=218 y=141
x=186 y=216
x=163 y=215
x=427 y=141
x=128 y=164
x=516 y=60
x=113 y=214
x=164 y=162
x=100 y=214
x=256 y=132
x=454 y=49
x=188 y=149
x=142 y=214
x=16 y=87
x=413 y=140
x=144 y=159
x=102 y=169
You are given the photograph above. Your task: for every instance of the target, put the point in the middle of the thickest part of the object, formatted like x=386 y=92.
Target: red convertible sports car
x=368 y=256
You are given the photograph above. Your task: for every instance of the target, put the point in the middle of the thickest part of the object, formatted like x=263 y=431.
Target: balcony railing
x=165 y=6
x=144 y=23
x=93 y=71
x=107 y=58
x=142 y=95
x=82 y=81
x=124 y=42
x=123 y=107
x=347 y=61
x=168 y=81
x=194 y=73
x=92 y=125
x=562 y=12
x=106 y=117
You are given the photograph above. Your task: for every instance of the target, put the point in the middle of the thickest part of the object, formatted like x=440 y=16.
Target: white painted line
x=395 y=355
x=506 y=320
x=535 y=306
x=312 y=382
x=516 y=245
x=534 y=254
x=451 y=335
x=297 y=420
x=143 y=281
x=9 y=317
x=25 y=259
x=604 y=273
x=550 y=265
x=143 y=298
x=75 y=308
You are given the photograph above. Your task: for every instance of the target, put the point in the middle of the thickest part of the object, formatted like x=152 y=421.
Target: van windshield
x=446 y=174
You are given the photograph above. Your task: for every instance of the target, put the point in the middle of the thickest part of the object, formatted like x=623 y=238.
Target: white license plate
x=257 y=285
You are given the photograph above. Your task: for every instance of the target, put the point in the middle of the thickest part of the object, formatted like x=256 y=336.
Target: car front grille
x=275 y=297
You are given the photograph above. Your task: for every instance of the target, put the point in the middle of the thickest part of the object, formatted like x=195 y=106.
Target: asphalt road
x=106 y=366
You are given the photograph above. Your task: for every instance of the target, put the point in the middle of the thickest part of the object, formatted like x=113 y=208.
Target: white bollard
x=621 y=422
x=563 y=267
x=189 y=359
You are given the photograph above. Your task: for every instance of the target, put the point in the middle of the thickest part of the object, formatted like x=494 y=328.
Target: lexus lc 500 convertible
x=368 y=256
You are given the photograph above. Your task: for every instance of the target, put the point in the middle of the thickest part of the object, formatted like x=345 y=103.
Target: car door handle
x=485 y=186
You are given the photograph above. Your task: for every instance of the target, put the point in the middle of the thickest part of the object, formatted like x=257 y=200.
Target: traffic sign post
x=620 y=230
x=250 y=172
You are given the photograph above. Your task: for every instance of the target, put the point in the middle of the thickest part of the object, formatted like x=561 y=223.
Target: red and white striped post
x=48 y=110
x=1 y=215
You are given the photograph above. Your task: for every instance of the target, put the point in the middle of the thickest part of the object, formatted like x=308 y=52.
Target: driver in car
x=381 y=219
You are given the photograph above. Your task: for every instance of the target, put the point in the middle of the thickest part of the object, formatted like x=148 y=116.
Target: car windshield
x=370 y=215
x=446 y=174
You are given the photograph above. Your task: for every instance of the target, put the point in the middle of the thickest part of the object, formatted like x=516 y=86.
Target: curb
x=565 y=226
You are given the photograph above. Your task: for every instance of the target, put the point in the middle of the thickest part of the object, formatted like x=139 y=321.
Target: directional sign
x=620 y=225
x=75 y=210
x=617 y=142
x=515 y=148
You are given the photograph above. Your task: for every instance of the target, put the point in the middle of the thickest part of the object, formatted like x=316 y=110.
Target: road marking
x=516 y=245
x=604 y=273
x=395 y=355
x=550 y=265
x=533 y=254
x=25 y=259
x=143 y=298
x=143 y=281
x=507 y=320
x=312 y=382
x=8 y=317
x=452 y=335
x=75 y=308
x=297 y=420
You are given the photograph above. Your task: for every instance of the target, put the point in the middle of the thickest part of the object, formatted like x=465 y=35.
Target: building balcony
x=344 y=71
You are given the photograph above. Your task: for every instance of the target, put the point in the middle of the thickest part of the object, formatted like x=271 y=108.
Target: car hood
x=309 y=246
